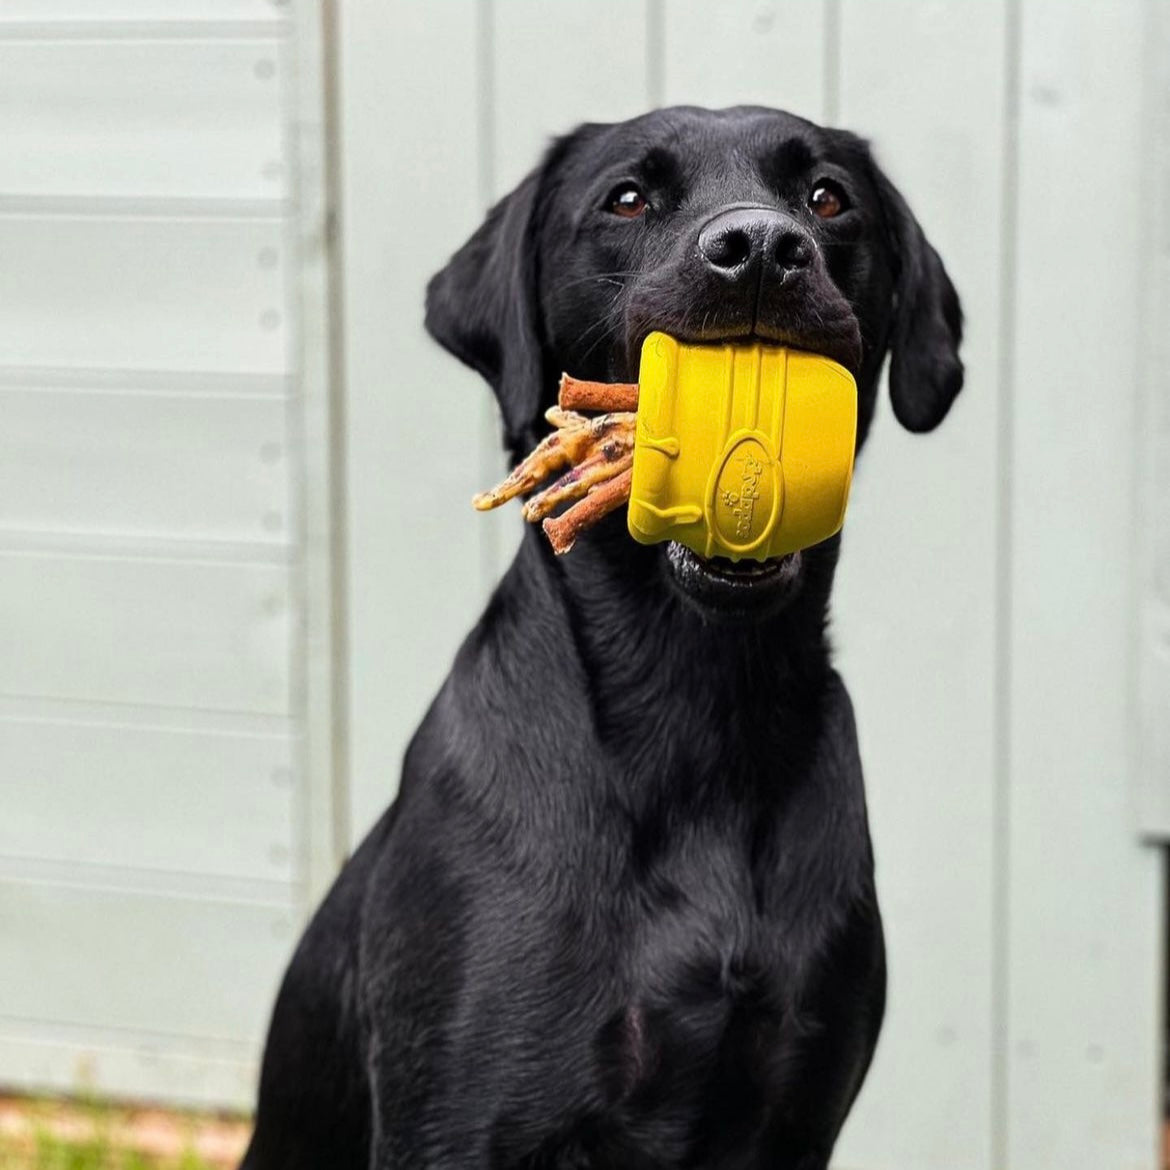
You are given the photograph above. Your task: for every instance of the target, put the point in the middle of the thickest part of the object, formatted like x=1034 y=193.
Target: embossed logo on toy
x=745 y=492
x=742 y=504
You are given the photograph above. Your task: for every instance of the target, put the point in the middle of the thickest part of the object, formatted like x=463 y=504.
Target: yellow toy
x=732 y=450
x=740 y=451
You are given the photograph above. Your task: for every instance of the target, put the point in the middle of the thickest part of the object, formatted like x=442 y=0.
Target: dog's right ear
x=482 y=307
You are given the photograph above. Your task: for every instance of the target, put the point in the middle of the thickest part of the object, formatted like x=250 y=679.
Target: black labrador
x=622 y=913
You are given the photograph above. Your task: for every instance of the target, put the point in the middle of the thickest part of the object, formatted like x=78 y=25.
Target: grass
x=57 y=1135
x=53 y=1153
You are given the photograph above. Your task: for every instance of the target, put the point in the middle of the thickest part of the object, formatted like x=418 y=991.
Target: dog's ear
x=482 y=307
x=926 y=372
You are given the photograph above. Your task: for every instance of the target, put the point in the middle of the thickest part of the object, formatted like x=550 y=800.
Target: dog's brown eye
x=628 y=201
x=827 y=200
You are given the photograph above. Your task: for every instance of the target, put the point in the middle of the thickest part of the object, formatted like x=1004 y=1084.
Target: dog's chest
x=717 y=969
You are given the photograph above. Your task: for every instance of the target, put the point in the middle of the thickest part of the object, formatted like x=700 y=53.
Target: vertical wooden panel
x=1085 y=895
x=747 y=53
x=556 y=65
x=411 y=197
x=915 y=604
x=1153 y=779
x=319 y=671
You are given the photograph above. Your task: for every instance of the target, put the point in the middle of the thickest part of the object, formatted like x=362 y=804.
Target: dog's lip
x=743 y=573
x=840 y=347
x=720 y=584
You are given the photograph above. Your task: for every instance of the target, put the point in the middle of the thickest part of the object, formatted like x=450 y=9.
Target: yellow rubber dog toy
x=740 y=451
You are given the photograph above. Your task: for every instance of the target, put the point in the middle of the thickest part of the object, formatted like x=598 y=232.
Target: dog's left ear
x=926 y=372
x=482 y=307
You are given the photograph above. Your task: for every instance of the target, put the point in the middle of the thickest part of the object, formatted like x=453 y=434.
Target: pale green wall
x=164 y=698
x=985 y=613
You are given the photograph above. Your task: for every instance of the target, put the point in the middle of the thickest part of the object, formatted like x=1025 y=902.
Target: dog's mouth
x=732 y=588
x=840 y=341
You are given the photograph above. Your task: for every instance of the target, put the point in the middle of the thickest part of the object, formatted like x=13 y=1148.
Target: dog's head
x=710 y=226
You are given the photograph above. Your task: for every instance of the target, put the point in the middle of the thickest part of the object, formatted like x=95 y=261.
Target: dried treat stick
x=575 y=394
x=573 y=441
x=612 y=458
x=564 y=446
x=600 y=426
x=563 y=530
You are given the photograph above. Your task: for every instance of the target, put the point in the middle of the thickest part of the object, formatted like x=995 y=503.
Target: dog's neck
x=652 y=669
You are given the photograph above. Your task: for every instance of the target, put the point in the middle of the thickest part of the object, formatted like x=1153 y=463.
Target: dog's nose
x=735 y=241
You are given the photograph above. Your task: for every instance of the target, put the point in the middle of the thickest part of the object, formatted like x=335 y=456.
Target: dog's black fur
x=622 y=913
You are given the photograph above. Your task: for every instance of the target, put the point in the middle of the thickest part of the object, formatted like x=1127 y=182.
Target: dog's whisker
x=600 y=276
x=607 y=335
x=600 y=323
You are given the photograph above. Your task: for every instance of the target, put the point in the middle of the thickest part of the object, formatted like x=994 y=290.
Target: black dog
x=622 y=913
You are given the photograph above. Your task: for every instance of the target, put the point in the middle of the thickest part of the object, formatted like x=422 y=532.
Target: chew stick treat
x=609 y=460
x=557 y=416
x=563 y=530
x=598 y=452
x=578 y=440
x=566 y=445
x=576 y=394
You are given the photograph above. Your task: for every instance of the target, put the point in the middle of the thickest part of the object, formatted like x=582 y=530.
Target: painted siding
x=1083 y=924
x=407 y=405
x=152 y=859
x=907 y=621
x=1152 y=727
x=173 y=736
x=1022 y=911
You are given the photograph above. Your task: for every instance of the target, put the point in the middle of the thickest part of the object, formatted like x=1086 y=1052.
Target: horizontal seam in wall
x=224 y=384
x=168 y=708
x=277 y=894
x=244 y=1051
x=113 y=546
x=273 y=211
x=144 y=30
x=176 y=720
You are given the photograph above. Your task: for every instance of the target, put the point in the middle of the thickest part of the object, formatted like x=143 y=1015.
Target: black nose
x=735 y=241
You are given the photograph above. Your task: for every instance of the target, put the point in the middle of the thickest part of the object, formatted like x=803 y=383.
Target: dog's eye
x=827 y=199
x=627 y=200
